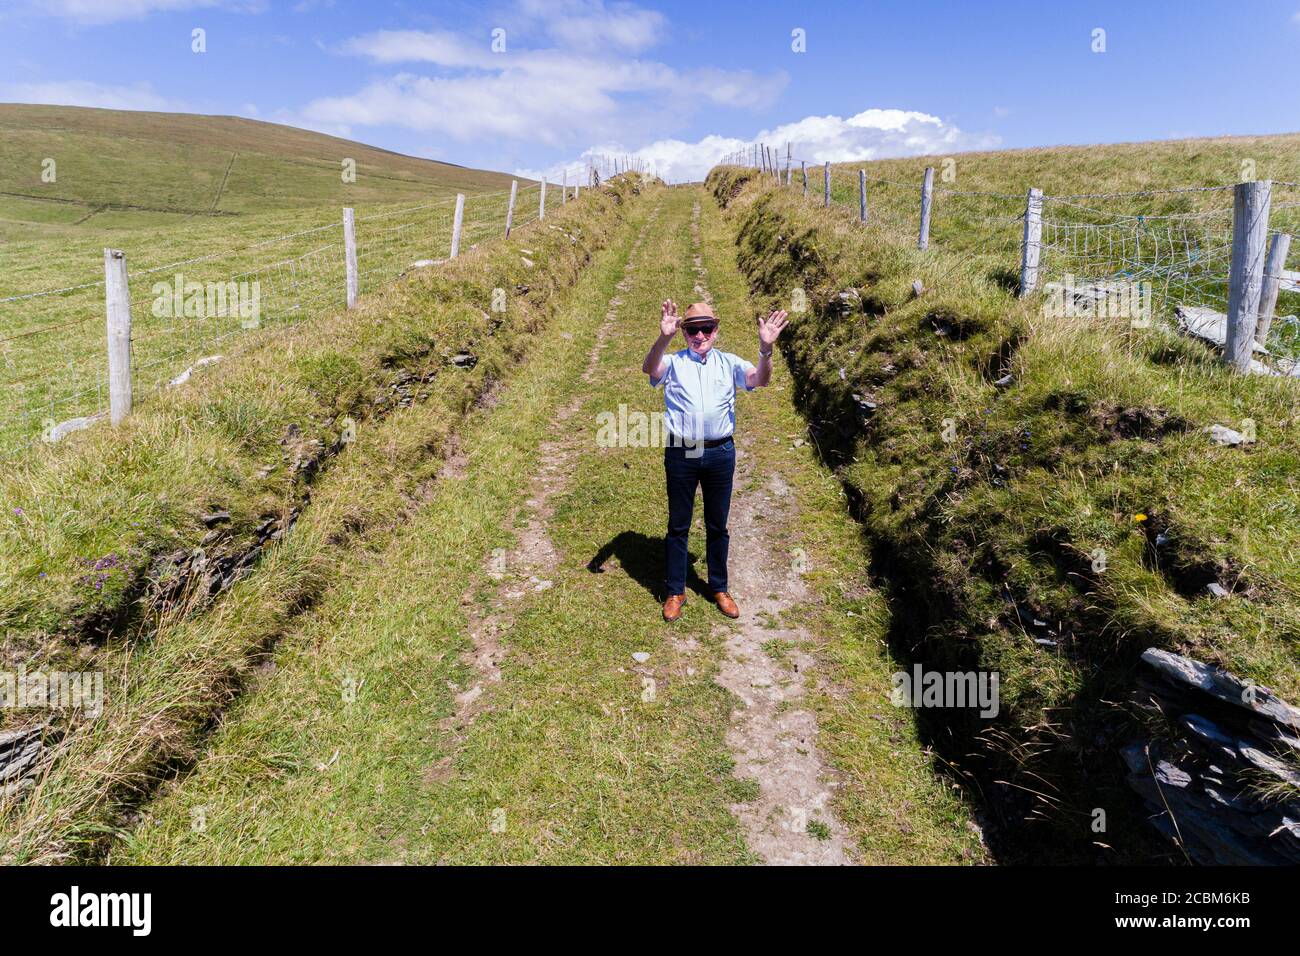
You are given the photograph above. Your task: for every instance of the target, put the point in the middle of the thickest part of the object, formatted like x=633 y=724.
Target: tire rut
x=522 y=570
x=773 y=737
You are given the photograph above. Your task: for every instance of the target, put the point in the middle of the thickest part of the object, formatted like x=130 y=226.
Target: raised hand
x=671 y=321
x=769 y=329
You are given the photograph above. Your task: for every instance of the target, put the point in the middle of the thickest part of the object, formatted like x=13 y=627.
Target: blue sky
x=678 y=83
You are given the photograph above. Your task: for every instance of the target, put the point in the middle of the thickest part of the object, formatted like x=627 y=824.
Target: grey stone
x=1269 y=764
x=1221 y=685
x=1208 y=729
x=1223 y=435
x=63 y=429
x=865 y=406
x=15 y=764
x=1171 y=775
x=16 y=738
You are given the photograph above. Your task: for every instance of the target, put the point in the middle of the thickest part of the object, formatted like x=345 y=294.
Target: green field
x=174 y=188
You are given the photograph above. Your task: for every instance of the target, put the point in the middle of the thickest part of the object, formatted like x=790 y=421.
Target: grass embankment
x=96 y=531
x=1049 y=530
x=565 y=758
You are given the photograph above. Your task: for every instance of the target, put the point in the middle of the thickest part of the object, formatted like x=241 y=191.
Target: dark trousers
x=712 y=470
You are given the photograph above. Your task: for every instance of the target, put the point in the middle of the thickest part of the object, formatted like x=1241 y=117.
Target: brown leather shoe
x=673 y=606
x=725 y=604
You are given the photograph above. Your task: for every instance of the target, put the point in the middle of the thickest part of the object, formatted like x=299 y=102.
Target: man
x=700 y=385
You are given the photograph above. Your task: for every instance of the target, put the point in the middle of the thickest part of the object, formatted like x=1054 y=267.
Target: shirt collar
x=691 y=354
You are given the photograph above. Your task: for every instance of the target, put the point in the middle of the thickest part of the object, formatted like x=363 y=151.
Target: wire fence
x=1135 y=257
x=54 y=370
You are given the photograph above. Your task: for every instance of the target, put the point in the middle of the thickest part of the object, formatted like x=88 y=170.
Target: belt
x=674 y=442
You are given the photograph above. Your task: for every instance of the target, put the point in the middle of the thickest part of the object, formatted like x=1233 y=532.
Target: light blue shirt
x=700 y=393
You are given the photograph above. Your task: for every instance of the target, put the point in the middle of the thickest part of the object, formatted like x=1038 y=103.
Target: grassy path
x=496 y=685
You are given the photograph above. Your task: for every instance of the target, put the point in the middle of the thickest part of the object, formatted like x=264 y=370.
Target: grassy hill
x=118 y=168
x=188 y=183
x=1064 y=171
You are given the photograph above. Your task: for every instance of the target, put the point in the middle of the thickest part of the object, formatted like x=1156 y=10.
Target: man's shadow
x=642 y=557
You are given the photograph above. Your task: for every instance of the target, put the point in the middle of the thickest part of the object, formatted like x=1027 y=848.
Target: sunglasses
x=708 y=329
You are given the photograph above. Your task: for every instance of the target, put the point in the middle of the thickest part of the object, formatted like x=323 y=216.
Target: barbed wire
x=49 y=328
x=49 y=292
x=450 y=200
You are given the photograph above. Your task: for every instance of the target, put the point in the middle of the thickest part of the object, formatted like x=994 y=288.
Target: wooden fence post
x=564 y=189
x=1273 y=268
x=541 y=203
x=862 y=195
x=350 y=254
x=787 y=162
x=803 y=169
x=1250 y=207
x=510 y=209
x=927 y=192
x=1031 y=245
x=826 y=180
x=456 y=224
x=117 y=309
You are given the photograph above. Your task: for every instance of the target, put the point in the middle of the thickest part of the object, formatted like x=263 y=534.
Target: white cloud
x=462 y=108
x=84 y=93
x=419 y=46
x=546 y=97
x=871 y=134
x=98 y=12
x=671 y=159
x=590 y=25
x=586 y=85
